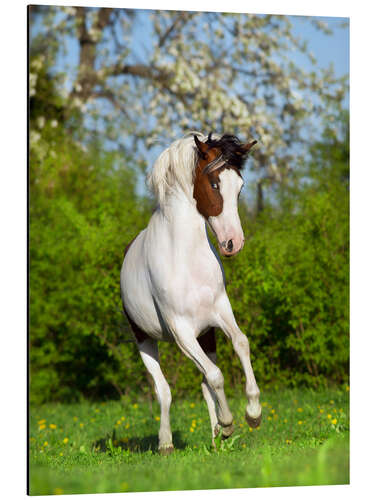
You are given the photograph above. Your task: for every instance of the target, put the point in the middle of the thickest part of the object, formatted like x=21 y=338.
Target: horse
x=172 y=279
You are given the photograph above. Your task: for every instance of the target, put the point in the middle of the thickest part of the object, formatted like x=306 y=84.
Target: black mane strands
x=231 y=149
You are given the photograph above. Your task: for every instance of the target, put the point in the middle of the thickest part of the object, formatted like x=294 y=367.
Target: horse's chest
x=196 y=290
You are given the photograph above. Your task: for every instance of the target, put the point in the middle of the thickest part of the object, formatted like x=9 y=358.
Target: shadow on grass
x=135 y=444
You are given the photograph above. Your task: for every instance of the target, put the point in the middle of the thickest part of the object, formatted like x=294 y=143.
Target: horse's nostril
x=230 y=245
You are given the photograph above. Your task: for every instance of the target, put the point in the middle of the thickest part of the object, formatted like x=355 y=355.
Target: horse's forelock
x=231 y=148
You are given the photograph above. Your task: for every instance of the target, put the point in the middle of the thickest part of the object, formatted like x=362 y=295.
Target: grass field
x=112 y=447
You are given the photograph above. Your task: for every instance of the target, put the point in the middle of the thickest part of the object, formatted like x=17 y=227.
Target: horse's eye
x=214 y=185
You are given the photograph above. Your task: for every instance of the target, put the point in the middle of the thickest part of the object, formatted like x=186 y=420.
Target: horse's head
x=217 y=185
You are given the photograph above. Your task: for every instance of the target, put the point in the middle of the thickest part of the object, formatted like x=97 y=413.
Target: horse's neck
x=184 y=224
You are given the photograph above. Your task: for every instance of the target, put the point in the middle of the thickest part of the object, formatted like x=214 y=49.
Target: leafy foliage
x=288 y=287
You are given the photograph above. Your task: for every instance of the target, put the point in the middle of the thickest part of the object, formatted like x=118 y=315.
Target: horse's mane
x=230 y=147
x=175 y=166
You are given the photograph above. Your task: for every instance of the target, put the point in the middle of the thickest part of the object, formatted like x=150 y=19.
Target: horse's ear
x=246 y=147
x=202 y=147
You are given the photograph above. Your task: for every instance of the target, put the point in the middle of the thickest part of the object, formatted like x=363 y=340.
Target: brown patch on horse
x=206 y=184
x=209 y=200
x=207 y=341
x=139 y=334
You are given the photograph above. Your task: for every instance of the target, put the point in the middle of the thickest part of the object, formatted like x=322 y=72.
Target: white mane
x=174 y=168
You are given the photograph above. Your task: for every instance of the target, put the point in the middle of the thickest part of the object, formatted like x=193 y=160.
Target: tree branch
x=181 y=18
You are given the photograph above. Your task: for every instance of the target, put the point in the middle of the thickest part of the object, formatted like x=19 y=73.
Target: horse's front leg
x=189 y=345
x=241 y=346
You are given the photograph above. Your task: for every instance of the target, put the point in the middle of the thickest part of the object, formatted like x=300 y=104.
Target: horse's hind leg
x=207 y=342
x=148 y=349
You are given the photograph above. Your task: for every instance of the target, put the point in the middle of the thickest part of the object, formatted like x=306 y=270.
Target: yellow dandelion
x=241 y=425
x=285 y=420
x=276 y=415
x=269 y=418
x=81 y=425
x=192 y=405
x=157 y=418
x=45 y=443
x=244 y=445
x=41 y=427
x=347 y=388
x=58 y=491
x=75 y=419
x=299 y=410
x=329 y=416
x=258 y=428
x=97 y=410
x=65 y=440
x=250 y=429
x=331 y=402
x=52 y=426
x=61 y=453
x=299 y=422
x=43 y=421
x=334 y=421
x=191 y=429
x=135 y=406
x=122 y=418
x=128 y=425
x=272 y=411
x=321 y=410
x=118 y=422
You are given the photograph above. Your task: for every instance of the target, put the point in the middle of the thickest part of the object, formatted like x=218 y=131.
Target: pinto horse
x=172 y=280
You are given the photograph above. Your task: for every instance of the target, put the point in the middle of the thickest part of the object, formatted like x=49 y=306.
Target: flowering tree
x=146 y=77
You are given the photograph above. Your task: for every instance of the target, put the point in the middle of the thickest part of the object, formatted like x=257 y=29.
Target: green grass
x=112 y=446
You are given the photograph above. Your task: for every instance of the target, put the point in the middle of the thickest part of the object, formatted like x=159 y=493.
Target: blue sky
x=327 y=48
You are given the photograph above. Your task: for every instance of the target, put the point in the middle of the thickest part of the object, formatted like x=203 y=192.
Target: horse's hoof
x=166 y=449
x=253 y=422
x=227 y=431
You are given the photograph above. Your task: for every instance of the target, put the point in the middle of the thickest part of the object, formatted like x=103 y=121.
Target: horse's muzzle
x=231 y=247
